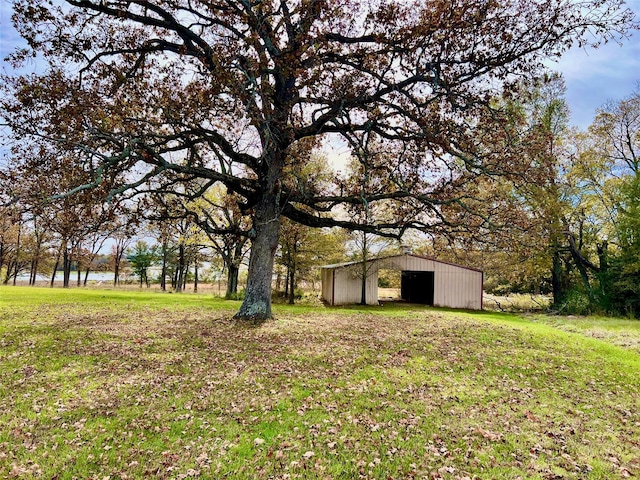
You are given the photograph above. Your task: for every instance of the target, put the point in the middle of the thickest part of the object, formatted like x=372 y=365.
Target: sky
x=593 y=77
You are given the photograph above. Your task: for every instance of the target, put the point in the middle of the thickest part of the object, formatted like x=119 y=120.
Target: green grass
x=623 y=332
x=97 y=384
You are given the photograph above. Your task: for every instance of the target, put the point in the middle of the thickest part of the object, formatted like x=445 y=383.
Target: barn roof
x=377 y=259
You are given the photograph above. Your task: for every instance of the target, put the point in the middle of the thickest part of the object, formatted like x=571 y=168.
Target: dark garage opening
x=417 y=287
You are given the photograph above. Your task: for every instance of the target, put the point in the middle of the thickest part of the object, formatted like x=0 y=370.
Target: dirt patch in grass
x=186 y=393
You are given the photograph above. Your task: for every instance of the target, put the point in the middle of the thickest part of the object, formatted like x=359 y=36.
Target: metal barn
x=423 y=280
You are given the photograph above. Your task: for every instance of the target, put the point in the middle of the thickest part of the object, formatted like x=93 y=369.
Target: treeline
x=575 y=231
x=38 y=244
x=568 y=225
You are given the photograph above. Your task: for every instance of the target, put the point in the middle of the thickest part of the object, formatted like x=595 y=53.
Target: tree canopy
x=177 y=96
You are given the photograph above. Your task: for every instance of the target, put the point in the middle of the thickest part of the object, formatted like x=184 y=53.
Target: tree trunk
x=33 y=270
x=34 y=266
x=66 y=268
x=185 y=274
x=232 y=280
x=163 y=273
x=604 y=276
x=582 y=264
x=256 y=306
x=116 y=273
x=17 y=266
x=265 y=230
x=236 y=260
x=292 y=284
x=278 y=280
x=7 y=275
x=180 y=279
x=35 y=260
x=363 y=273
x=117 y=260
x=55 y=269
x=603 y=255
x=293 y=254
x=556 y=279
x=363 y=285
x=286 y=282
x=195 y=277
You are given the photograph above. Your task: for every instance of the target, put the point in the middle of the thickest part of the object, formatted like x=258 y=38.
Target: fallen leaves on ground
x=189 y=393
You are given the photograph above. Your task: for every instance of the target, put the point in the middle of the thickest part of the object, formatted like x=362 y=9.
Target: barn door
x=417 y=287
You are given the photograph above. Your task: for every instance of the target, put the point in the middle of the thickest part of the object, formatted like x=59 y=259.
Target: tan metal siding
x=408 y=263
x=458 y=288
x=348 y=286
x=454 y=286
x=327 y=285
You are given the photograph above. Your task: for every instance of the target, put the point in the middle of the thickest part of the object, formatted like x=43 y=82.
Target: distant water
x=93 y=276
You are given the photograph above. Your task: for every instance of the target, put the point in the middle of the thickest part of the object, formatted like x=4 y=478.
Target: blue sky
x=592 y=76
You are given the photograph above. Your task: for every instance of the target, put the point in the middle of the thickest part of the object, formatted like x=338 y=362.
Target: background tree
x=581 y=229
x=112 y=220
x=615 y=148
x=370 y=176
x=623 y=273
x=182 y=247
x=227 y=230
x=40 y=236
x=163 y=233
x=118 y=250
x=43 y=177
x=546 y=134
x=303 y=249
x=265 y=76
x=302 y=246
x=12 y=243
x=142 y=257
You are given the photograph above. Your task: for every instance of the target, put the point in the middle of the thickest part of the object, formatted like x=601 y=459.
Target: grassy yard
x=122 y=385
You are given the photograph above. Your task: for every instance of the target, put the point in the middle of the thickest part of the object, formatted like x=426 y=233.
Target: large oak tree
x=223 y=91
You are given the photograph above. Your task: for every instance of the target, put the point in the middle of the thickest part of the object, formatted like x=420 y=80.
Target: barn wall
x=348 y=286
x=455 y=286
x=327 y=285
x=408 y=262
